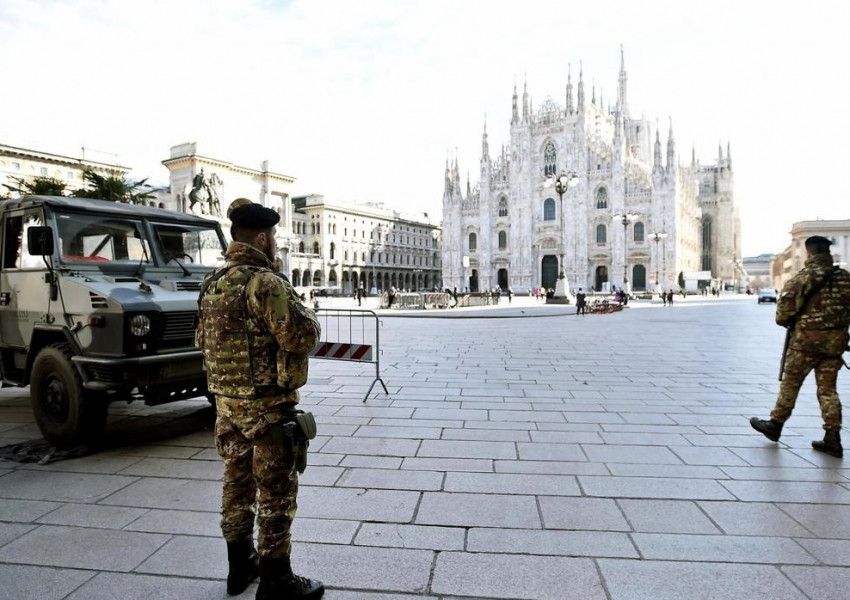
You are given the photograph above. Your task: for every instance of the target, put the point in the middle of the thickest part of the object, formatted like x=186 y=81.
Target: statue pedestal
x=562 y=294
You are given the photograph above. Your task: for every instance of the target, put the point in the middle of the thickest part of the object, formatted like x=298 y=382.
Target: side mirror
x=40 y=241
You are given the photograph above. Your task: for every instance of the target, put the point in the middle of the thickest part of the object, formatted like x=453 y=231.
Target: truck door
x=24 y=293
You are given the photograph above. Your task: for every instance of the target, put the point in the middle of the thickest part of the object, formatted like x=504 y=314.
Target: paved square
x=523 y=452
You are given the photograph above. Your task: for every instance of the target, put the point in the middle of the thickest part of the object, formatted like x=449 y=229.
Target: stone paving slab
x=507 y=576
x=82 y=548
x=822 y=583
x=652 y=580
x=551 y=542
x=43 y=583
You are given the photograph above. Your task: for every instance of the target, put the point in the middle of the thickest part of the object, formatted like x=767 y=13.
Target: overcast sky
x=363 y=101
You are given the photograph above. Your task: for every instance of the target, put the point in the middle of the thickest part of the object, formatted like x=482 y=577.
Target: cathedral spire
x=580 y=87
x=468 y=187
x=693 y=156
x=525 y=101
x=448 y=187
x=671 y=149
x=657 y=166
x=729 y=153
x=569 y=90
x=485 y=147
x=622 y=104
x=515 y=111
x=593 y=92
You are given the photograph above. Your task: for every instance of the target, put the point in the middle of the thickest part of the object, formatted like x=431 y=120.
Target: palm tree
x=113 y=187
x=37 y=186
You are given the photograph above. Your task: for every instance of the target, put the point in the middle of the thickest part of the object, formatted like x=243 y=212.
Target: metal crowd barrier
x=352 y=335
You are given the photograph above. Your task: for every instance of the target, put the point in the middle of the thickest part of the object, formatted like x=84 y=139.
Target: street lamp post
x=562 y=183
x=374 y=249
x=625 y=219
x=657 y=237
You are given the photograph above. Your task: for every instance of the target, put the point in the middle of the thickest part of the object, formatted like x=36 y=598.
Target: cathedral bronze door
x=549 y=273
x=601 y=278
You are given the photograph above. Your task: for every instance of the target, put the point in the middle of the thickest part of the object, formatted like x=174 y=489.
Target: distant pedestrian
x=670 y=297
x=510 y=294
x=815 y=308
x=581 y=304
x=664 y=297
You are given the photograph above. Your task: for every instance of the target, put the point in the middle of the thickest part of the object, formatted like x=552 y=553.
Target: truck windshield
x=101 y=239
x=193 y=244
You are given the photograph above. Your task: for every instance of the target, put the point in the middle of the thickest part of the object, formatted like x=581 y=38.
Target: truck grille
x=177 y=328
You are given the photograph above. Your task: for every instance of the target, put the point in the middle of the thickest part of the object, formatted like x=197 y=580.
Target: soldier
x=256 y=337
x=815 y=307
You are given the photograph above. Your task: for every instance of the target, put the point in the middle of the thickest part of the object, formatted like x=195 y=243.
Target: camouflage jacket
x=255 y=334
x=821 y=325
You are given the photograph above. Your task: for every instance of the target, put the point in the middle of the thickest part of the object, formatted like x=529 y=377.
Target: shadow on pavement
x=128 y=431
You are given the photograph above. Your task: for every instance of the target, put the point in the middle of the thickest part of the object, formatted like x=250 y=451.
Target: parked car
x=767 y=295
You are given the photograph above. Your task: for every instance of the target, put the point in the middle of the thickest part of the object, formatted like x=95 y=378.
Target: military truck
x=98 y=303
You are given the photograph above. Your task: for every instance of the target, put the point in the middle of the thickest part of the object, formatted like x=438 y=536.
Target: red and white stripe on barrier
x=337 y=351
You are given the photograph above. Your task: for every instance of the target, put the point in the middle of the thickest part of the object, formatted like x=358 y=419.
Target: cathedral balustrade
x=637 y=196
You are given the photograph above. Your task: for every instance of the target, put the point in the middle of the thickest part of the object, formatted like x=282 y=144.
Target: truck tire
x=65 y=415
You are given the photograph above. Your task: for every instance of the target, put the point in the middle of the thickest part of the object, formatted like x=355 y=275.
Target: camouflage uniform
x=256 y=337
x=819 y=337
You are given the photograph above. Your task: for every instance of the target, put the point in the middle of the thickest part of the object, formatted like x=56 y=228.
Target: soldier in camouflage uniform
x=256 y=337
x=815 y=305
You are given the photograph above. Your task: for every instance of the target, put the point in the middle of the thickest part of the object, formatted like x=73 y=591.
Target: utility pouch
x=307 y=424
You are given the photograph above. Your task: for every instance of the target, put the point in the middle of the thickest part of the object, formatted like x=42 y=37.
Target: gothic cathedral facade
x=635 y=218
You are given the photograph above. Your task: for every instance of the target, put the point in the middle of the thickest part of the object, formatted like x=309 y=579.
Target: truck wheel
x=65 y=416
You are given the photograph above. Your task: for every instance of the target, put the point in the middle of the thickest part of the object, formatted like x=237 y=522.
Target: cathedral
x=633 y=215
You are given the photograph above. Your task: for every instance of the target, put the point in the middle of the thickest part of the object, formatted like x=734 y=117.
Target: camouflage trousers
x=257 y=473
x=798 y=365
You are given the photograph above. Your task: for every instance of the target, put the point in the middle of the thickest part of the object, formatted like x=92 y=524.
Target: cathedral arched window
x=639 y=229
x=601 y=234
x=315 y=247
x=503 y=240
x=473 y=242
x=548 y=209
x=503 y=207
x=301 y=247
x=550 y=159
x=602 y=198
x=333 y=248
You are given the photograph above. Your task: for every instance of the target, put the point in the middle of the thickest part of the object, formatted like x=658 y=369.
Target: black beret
x=254 y=216
x=818 y=240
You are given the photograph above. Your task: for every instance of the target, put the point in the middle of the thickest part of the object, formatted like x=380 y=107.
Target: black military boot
x=244 y=566
x=831 y=444
x=278 y=582
x=771 y=429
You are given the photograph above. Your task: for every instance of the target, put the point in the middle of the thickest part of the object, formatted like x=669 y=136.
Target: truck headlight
x=140 y=325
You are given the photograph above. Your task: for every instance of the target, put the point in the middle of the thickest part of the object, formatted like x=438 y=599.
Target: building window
x=16 y=166
x=301 y=247
x=42 y=171
x=503 y=240
x=473 y=242
x=602 y=198
x=639 y=231
x=548 y=209
x=503 y=207
x=69 y=176
x=315 y=247
x=332 y=250
x=601 y=234
x=550 y=159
